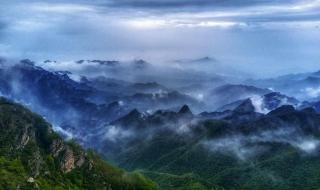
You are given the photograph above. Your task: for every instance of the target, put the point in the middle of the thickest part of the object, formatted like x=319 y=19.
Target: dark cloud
x=245 y=11
x=195 y=3
x=275 y=17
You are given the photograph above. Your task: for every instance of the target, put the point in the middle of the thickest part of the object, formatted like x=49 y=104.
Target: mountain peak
x=245 y=107
x=134 y=113
x=185 y=110
x=140 y=63
x=27 y=62
x=205 y=59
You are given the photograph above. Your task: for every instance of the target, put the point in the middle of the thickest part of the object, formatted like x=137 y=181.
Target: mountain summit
x=185 y=110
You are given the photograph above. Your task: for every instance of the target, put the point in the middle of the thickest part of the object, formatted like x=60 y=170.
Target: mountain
x=32 y=156
x=159 y=119
x=243 y=112
x=102 y=62
x=46 y=90
x=159 y=100
x=230 y=93
x=140 y=64
x=121 y=88
x=205 y=59
x=210 y=66
x=241 y=150
x=136 y=127
x=53 y=93
x=265 y=103
x=303 y=86
x=256 y=139
x=150 y=87
x=185 y=110
x=149 y=96
x=110 y=86
x=87 y=104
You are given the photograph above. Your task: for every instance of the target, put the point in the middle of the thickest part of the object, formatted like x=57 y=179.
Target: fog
x=246 y=147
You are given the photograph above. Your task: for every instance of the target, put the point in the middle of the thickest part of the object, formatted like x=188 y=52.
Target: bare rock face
x=56 y=147
x=30 y=180
x=90 y=165
x=80 y=161
x=24 y=138
x=36 y=163
x=68 y=161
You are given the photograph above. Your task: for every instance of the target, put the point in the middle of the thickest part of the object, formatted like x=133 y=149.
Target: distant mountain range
x=303 y=86
x=227 y=94
x=265 y=103
x=85 y=104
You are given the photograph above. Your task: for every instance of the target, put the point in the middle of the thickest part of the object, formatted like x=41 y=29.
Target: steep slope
x=32 y=156
x=50 y=93
x=53 y=92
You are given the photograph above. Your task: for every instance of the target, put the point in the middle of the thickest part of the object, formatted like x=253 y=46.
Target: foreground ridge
x=33 y=156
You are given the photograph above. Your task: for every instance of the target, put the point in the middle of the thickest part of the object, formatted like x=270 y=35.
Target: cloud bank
x=273 y=36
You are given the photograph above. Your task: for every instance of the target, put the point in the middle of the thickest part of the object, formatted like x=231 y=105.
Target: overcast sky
x=264 y=37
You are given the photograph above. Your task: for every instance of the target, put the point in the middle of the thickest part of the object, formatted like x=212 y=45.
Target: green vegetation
x=32 y=156
x=184 y=164
x=180 y=182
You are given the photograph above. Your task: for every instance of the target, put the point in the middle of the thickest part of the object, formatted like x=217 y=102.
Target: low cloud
x=115 y=134
x=248 y=146
x=65 y=134
x=312 y=92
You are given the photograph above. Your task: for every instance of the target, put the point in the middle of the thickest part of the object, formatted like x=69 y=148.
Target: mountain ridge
x=45 y=161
